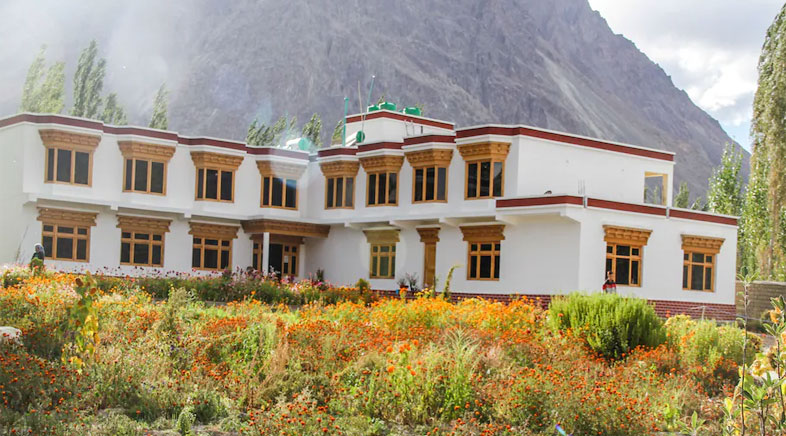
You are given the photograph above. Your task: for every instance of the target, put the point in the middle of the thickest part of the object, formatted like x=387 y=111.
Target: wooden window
x=624 y=254
x=142 y=249
x=383 y=261
x=382 y=189
x=212 y=246
x=66 y=234
x=624 y=262
x=214 y=184
x=430 y=184
x=142 y=175
x=279 y=192
x=485 y=179
x=484 y=247
x=69 y=157
x=339 y=192
x=698 y=262
x=483 y=260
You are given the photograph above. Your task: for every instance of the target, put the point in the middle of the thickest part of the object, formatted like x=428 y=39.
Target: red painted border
x=337 y=151
x=442 y=139
x=379 y=146
x=626 y=207
x=565 y=138
x=400 y=117
x=540 y=201
x=141 y=131
x=689 y=215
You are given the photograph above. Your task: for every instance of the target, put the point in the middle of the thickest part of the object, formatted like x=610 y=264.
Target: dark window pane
x=196 y=258
x=291 y=200
x=81 y=230
x=157 y=255
x=472 y=180
x=266 y=191
x=623 y=250
x=634 y=272
x=278 y=192
x=393 y=263
x=47 y=243
x=442 y=175
x=497 y=179
x=254 y=261
x=634 y=251
x=384 y=266
x=382 y=189
x=372 y=189
x=623 y=271
x=685 y=276
x=485 y=267
x=197 y=240
x=211 y=242
x=473 y=267
x=50 y=164
x=81 y=168
x=430 y=183
x=157 y=237
x=708 y=278
x=485 y=179
x=698 y=257
x=125 y=252
x=143 y=236
x=64 y=165
x=392 y=188
x=141 y=252
x=686 y=256
x=474 y=247
x=211 y=258
x=349 y=198
x=609 y=249
x=224 y=243
x=340 y=192
x=485 y=247
x=65 y=248
x=157 y=177
x=226 y=185
x=293 y=265
x=609 y=263
x=61 y=229
x=496 y=267
x=497 y=246
x=126 y=235
x=384 y=249
x=697 y=278
x=329 y=192
x=200 y=183
x=129 y=174
x=224 y=259
x=708 y=258
x=211 y=184
x=374 y=263
x=140 y=176
x=419 y=184
x=49 y=228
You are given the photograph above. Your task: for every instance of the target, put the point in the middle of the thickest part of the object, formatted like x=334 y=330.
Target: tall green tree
x=159 y=119
x=312 y=130
x=88 y=83
x=754 y=238
x=725 y=193
x=43 y=93
x=262 y=135
x=338 y=132
x=113 y=113
x=682 y=198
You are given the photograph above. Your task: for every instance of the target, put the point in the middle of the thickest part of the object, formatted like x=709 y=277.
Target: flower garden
x=108 y=356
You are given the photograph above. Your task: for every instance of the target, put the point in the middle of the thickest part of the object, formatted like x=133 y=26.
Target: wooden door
x=429 y=263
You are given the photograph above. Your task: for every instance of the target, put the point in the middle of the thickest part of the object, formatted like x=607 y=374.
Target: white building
x=522 y=210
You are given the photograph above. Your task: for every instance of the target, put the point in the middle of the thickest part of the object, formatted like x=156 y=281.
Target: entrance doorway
x=283 y=259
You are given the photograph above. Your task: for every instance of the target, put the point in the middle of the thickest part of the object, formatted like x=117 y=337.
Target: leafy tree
x=338 y=133
x=88 y=83
x=725 y=193
x=159 y=118
x=43 y=93
x=699 y=205
x=113 y=112
x=262 y=135
x=682 y=198
x=312 y=129
x=755 y=222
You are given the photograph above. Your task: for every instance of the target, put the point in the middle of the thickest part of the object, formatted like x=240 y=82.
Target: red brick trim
x=565 y=138
x=540 y=201
x=400 y=117
x=371 y=146
x=442 y=139
x=337 y=151
x=626 y=207
x=690 y=215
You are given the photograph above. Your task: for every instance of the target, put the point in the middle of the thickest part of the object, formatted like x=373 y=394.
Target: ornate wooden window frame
x=57 y=140
x=151 y=227
x=382 y=165
x=151 y=153
x=636 y=239
x=478 y=153
x=344 y=170
x=269 y=170
x=218 y=232
x=382 y=245
x=478 y=235
x=65 y=218
x=205 y=160
x=437 y=158
x=705 y=247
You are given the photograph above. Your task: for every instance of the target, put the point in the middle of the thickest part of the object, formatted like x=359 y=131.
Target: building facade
x=520 y=210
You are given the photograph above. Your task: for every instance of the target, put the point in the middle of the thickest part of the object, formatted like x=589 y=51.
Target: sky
x=710 y=48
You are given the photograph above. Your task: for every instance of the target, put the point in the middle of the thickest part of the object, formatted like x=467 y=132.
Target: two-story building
x=521 y=210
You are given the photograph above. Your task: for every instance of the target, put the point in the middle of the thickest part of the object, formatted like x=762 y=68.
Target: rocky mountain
x=554 y=64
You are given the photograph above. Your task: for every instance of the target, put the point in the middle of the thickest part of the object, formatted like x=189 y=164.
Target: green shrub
x=363 y=284
x=610 y=324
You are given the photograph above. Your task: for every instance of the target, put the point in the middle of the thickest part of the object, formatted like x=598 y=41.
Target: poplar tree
x=159 y=118
x=312 y=130
x=88 y=83
x=338 y=133
x=43 y=93
x=725 y=193
x=682 y=198
x=113 y=112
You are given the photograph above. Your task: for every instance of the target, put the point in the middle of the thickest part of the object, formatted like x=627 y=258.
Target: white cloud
x=709 y=47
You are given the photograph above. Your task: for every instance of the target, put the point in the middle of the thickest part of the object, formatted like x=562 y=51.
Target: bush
x=610 y=324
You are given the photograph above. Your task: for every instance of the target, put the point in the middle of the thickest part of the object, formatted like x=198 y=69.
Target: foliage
x=725 y=192
x=446 y=294
x=159 y=118
x=88 y=83
x=755 y=223
x=266 y=136
x=113 y=112
x=312 y=130
x=610 y=324
x=338 y=133
x=82 y=325
x=43 y=93
x=682 y=198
